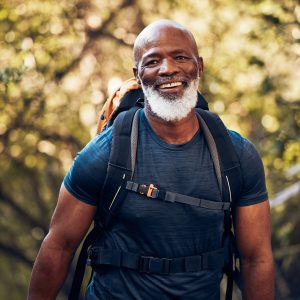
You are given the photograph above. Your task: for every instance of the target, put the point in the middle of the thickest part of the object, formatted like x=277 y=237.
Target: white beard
x=172 y=109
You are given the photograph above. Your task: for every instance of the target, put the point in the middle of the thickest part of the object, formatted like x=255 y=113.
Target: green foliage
x=11 y=75
x=60 y=60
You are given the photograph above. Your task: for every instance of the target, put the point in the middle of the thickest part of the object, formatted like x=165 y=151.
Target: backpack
x=127 y=95
x=121 y=111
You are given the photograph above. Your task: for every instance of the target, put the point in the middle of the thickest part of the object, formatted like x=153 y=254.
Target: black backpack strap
x=159 y=265
x=120 y=166
x=213 y=151
x=134 y=141
x=153 y=192
x=201 y=102
x=231 y=177
x=81 y=264
x=129 y=100
x=230 y=165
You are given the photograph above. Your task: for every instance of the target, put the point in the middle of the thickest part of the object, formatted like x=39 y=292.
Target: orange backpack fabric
x=114 y=100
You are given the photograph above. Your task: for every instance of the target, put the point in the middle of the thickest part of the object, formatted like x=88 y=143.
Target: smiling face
x=168 y=68
x=167 y=59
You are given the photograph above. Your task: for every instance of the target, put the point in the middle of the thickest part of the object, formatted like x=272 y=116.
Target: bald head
x=150 y=32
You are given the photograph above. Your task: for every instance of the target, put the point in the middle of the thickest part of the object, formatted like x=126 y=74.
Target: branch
x=14 y=252
x=68 y=139
x=30 y=220
x=285 y=194
x=92 y=34
x=285 y=251
x=95 y=34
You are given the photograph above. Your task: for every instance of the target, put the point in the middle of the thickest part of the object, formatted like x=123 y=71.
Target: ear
x=135 y=73
x=200 y=65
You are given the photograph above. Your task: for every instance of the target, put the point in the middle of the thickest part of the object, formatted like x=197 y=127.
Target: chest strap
x=152 y=192
x=99 y=256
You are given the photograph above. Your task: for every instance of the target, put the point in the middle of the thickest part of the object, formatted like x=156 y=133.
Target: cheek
x=147 y=76
x=193 y=70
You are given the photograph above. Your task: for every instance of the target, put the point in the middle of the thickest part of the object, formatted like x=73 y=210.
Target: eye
x=152 y=62
x=181 y=57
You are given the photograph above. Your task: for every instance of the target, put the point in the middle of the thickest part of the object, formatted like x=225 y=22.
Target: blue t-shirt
x=161 y=229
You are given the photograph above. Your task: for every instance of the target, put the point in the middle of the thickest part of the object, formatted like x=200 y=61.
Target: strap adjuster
x=92 y=255
x=149 y=264
x=150 y=191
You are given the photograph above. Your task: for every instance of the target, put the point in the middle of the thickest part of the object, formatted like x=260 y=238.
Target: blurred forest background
x=59 y=60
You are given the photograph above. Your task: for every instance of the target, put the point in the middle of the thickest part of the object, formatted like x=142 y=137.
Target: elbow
x=261 y=260
x=257 y=255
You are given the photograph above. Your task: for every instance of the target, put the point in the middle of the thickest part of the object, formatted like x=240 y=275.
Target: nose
x=167 y=67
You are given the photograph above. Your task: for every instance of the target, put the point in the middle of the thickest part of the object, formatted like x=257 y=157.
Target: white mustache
x=173 y=108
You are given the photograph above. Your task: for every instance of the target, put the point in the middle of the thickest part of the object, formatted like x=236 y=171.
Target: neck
x=174 y=132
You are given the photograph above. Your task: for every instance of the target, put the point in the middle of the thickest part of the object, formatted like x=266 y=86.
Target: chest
x=186 y=169
x=155 y=225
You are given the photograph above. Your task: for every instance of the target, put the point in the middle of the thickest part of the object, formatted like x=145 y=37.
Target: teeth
x=168 y=85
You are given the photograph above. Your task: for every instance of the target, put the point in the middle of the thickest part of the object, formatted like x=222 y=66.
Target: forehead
x=166 y=39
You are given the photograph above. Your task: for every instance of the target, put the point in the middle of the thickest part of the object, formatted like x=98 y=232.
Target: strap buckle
x=150 y=191
x=149 y=264
x=91 y=256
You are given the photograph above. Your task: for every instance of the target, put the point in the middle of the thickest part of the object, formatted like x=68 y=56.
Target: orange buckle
x=150 y=190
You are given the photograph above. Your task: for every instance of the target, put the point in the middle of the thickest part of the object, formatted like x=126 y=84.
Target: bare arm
x=253 y=230
x=70 y=222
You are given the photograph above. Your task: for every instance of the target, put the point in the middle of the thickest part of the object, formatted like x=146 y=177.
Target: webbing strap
x=229 y=160
x=152 y=192
x=235 y=276
x=81 y=262
x=220 y=134
x=134 y=140
x=229 y=287
x=119 y=166
x=121 y=136
x=148 y=264
x=213 y=151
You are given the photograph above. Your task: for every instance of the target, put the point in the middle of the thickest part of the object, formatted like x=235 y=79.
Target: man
x=172 y=153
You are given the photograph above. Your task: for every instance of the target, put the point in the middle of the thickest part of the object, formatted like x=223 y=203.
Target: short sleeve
x=87 y=174
x=253 y=176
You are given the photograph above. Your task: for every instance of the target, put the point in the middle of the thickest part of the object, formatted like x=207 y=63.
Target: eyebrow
x=154 y=53
x=179 y=51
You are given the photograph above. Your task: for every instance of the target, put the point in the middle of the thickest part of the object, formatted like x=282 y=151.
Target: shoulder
x=86 y=176
x=101 y=143
x=98 y=149
x=244 y=148
x=252 y=169
x=238 y=140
